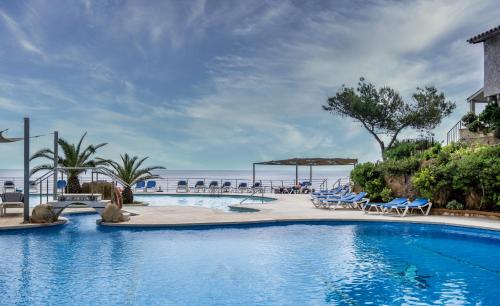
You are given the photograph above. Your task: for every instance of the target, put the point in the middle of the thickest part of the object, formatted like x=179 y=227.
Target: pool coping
x=285 y=209
x=23 y=226
x=256 y=223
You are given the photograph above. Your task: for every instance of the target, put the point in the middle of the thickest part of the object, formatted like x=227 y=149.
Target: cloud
x=214 y=84
x=20 y=36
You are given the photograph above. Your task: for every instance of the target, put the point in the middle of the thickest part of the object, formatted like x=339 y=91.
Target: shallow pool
x=202 y=200
x=335 y=263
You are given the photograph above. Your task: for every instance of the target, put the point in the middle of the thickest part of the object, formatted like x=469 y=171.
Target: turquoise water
x=203 y=200
x=289 y=264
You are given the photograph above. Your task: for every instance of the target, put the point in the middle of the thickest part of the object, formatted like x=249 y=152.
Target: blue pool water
x=202 y=200
x=302 y=264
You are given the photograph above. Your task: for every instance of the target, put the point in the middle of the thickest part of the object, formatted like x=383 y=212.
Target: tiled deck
x=285 y=208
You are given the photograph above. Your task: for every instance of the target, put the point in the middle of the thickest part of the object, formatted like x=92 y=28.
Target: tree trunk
x=73 y=184
x=128 y=196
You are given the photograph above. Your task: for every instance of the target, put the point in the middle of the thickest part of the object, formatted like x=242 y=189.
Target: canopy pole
x=296 y=173
x=26 y=210
x=56 y=159
x=310 y=174
x=253 y=176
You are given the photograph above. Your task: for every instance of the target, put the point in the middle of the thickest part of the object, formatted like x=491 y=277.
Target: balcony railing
x=453 y=134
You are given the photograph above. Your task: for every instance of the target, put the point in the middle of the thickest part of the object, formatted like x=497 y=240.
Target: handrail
x=253 y=193
x=453 y=134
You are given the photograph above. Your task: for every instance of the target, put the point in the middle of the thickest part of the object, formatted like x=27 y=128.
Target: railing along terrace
x=43 y=184
x=169 y=184
x=453 y=134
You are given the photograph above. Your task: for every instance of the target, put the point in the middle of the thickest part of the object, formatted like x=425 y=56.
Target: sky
x=220 y=84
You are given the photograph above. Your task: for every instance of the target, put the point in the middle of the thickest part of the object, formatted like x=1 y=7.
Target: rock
x=400 y=185
x=43 y=213
x=112 y=213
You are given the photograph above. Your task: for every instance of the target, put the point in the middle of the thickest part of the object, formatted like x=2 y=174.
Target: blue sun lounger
x=351 y=201
x=419 y=204
x=243 y=187
x=140 y=185
x=226 y=187
x=355 y=202
x=199 y=186
x=213 y=186
x=379 y=207
x=151 y=185
x=182 y=186
x=324 y=200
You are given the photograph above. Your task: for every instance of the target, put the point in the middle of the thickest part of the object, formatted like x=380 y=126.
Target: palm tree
x=130 y=172
x=73 y=156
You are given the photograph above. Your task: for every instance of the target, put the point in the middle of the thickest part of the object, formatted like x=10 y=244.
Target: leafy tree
x=72 y=156
x=383 y=112
x=130 y=172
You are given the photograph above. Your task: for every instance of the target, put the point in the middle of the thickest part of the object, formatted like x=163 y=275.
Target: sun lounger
x=243 y=187
x=213 y=186
x=182 y=186
x=199 y=186
x=33 y=186
x=350 y=201
x=150 y=185
x=257 y=187
x=379 y=207
x=419 y=204
x=11 y=200
x=9 y=186
x=61 y=184
x=226 y=187
x=140 y=186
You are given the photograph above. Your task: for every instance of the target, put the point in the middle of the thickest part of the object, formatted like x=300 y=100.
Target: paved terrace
x=285 y=209
x=294 y=207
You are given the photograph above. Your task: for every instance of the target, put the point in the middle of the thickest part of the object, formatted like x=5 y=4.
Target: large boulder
x=43 y=213
x=112 y=213
x=400 y=185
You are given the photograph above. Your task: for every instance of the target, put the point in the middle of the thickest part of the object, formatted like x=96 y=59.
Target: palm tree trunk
x=73 y=184
x=128 y=195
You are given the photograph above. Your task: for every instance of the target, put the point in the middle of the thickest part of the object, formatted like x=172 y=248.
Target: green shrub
x=404 y=166
x=491 y=117
x=455 y=205
x=469 y=118
x=401 y=150
x=487 y=121
x=369 y=177
x=432 y=152
x=386 y=194
x=463 y=170
x=476 y=126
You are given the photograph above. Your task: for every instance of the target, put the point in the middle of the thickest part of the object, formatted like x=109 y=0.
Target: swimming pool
x=198 y=200
x=290 y=264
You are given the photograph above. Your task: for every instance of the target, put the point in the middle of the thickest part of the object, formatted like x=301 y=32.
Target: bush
x=463 y=171
x=487 y=121
x=469 y=118
x=369 y=177
x=401 y=150
x=455 y=205
x=405 y=166
x=491 y=117
x=466 y=174
x=386 y=194
x=476 y=126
